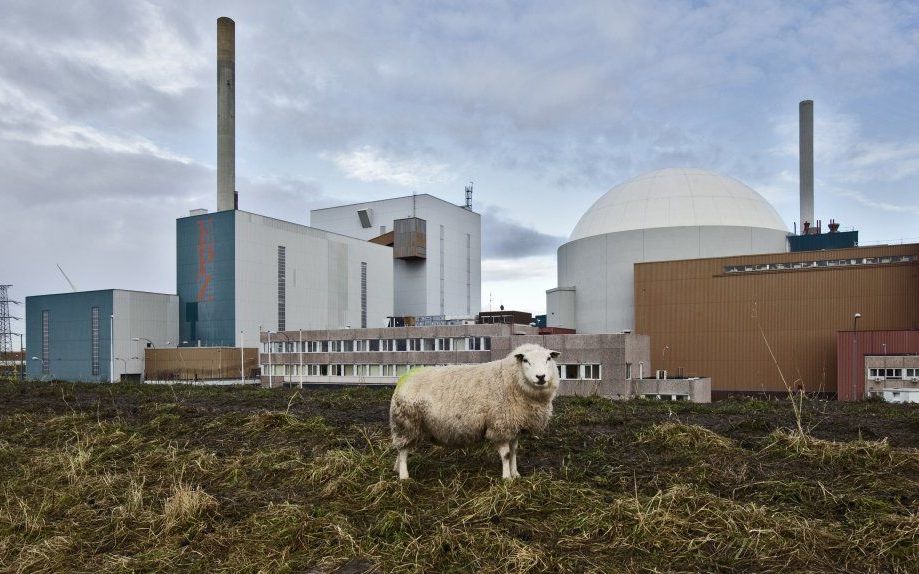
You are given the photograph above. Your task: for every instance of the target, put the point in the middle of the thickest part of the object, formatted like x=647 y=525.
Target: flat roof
x=392 y=198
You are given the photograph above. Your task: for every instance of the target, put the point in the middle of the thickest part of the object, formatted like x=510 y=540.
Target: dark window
x=94 y=338
x=45 y=342
x=282 y=288
x=363 y=294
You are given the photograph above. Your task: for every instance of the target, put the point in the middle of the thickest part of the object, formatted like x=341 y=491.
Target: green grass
x=141 y=478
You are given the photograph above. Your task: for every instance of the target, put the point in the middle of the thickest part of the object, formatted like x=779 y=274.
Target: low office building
x=97 y=335
x=588 y=365
x=895 y=378
x=878 y=363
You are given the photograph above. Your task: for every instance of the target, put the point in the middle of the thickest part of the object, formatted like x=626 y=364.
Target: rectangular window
x=401 y=370
x=443 y=344
x=401 y=345
x=323 y=346
x=427 y=344
x=46 y=342
x=388 y=370
x=387 y=345
x=363 y=294
x=414 y=344
x=335 y=346
x=628 y=370
x=872 y=372
x=94 y=338
x=360 y=345
x=460 y=344
x=479 y=343
x=570 y=372
x=347 y=346
x=373 y=345
x=373 y=370
x=282 y=288
x=591 y=372
x=312 y=346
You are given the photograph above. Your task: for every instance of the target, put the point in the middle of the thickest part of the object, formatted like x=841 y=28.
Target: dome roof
x=677 y=197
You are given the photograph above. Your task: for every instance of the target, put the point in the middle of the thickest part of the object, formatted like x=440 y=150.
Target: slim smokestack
x=226 y=114
x=806 y=160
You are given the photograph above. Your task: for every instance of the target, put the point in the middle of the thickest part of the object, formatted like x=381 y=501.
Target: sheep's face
x=539 y=368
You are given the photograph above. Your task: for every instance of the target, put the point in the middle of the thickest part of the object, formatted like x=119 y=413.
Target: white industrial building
x=437 y=250
x=663 y=215
x=239 y=271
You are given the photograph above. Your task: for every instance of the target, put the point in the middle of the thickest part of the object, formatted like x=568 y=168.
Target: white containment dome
x=664 y=215
x=677 y=197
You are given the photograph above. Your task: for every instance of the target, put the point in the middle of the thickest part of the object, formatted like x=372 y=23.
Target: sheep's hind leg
x=504 y=451
x=401 y=465
x=513 y=445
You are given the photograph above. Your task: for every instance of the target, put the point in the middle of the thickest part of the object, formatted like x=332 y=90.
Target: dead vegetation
x=111 y=479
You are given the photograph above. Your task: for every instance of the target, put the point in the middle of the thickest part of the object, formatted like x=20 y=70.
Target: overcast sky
x=108 y=119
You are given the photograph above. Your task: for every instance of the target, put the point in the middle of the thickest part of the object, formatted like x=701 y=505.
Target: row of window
x=374 y=345
x=819 y=263
x=565 y=372
x=893 y=373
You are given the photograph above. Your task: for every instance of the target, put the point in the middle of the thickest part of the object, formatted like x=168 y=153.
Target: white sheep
x=460 y=405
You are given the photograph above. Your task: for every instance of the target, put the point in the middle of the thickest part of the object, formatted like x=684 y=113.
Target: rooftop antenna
x=413 y=202
x=469 y=197
x=72 y=288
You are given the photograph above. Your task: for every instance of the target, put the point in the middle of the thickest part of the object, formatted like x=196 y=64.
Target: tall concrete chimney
x=226 y=114
x=806 y=160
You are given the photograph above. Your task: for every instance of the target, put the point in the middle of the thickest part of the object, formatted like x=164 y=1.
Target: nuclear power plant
x=678 y=284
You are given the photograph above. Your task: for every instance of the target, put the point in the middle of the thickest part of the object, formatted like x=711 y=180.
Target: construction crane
x=72 y=287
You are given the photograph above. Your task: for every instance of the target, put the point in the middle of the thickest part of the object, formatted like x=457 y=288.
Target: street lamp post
x=855 y=368
x=269 y=358
x=300 y=349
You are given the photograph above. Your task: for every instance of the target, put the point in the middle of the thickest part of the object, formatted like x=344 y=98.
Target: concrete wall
x=600 y=268
x=137 y=314
x=418 y=285
x=323 y=277
x=697 y=390
x=560 y=307
x=142 y=315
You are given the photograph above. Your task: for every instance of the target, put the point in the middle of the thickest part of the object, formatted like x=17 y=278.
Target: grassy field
x=102 y=478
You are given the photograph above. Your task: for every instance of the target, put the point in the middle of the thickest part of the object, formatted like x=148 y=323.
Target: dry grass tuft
x=185 y=505
x=684 y=438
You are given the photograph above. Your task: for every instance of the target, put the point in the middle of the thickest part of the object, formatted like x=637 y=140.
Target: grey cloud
x=507 y=239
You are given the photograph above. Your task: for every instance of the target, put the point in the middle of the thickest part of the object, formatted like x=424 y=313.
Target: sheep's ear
x=519 y=357
x=554 y=354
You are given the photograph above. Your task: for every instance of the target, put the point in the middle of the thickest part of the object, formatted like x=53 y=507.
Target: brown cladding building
x=713 y=316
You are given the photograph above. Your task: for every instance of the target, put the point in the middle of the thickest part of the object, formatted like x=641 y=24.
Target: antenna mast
x=6 y=331
x=469 y=197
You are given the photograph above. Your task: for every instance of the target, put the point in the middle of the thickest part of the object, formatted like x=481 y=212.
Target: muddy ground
x=115 y=478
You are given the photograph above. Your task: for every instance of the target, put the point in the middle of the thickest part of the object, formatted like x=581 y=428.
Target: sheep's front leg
x=514 y=473
x=504 y=451
x=402 y=463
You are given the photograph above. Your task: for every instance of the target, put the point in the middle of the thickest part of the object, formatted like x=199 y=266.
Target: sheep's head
x=538 y=366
